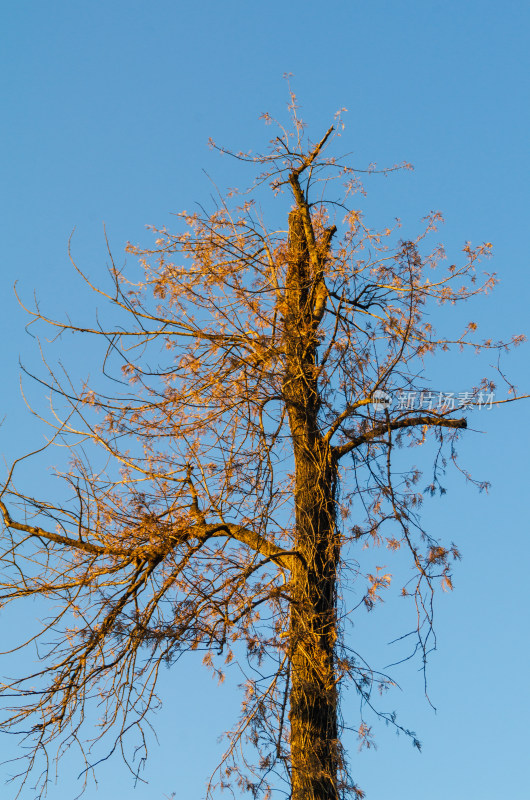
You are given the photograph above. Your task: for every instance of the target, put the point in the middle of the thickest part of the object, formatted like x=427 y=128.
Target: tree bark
x=315 y=754
x=313 y=699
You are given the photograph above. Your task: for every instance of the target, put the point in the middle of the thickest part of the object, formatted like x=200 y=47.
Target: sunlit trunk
x=313 y=698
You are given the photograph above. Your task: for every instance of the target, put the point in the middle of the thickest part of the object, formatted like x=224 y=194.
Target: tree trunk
x=315 y=754
x=313 y=701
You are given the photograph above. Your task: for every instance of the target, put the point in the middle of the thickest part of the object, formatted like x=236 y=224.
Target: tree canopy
x=267 y=383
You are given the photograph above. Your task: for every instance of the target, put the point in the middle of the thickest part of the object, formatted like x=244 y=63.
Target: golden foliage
x=205 y=497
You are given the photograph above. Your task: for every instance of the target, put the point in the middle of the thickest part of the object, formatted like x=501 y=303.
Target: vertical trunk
x=313 y=699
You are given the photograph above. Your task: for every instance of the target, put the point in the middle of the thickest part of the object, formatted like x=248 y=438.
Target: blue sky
x=106 y=112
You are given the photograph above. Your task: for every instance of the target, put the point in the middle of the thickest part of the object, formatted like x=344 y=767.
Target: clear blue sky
x=106 y=111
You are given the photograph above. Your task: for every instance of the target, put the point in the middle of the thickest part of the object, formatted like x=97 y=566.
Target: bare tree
x=219 y=500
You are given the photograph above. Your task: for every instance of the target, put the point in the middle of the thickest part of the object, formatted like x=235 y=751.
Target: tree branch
x=379 y=430
x=252 y=539
x=246 y=536
x=77 y=544
x=301 y=202
x=313 y=154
